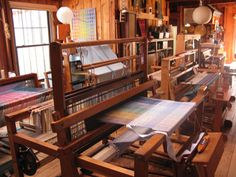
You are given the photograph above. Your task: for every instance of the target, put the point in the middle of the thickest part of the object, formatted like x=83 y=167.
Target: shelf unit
x=158 y=49
x=151 y=17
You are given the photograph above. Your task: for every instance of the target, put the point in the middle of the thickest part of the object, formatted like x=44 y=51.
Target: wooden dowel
x=41 y=146
x=101 y=42
x=112 y=61
x=103 y=167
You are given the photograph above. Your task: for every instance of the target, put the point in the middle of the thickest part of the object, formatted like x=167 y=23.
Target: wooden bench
x=207 y=161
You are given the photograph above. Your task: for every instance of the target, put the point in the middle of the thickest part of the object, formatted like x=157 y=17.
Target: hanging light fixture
x=202 y=14
x=65 y=15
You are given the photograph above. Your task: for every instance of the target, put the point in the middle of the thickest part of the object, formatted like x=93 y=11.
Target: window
x=32 y=40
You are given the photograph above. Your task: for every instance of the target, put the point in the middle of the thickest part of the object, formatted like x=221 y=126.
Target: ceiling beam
x=204 y=1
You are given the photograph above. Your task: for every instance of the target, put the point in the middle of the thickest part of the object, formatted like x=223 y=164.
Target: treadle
x=207 y=161
x=5 y=163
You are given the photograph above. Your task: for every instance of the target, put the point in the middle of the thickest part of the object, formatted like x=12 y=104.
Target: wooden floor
x=226 y=167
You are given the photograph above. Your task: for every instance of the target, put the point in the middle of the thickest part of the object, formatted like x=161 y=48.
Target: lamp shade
x=64 y=15
x=202 y=15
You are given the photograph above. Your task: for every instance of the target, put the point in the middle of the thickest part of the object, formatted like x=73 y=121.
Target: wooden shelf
x=169 y=48
x=151 y=17
x=165 y=45
x=160 y=40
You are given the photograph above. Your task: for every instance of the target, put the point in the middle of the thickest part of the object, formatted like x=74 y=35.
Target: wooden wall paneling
x=180 y=21
x=87 y=4
x=163 y=3
x=230 y=10
x=130 y=6
x=33 y=6
x=105 y=12
x=81 y=4
x=105 y=19
x=112 y=19
x=51 y=2
x=3 y=56
x=97 y=5
x=9 y=42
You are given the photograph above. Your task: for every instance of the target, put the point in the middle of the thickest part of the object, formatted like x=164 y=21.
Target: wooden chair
x=48 y=78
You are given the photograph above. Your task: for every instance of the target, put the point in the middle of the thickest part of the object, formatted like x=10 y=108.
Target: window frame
x=31 y=6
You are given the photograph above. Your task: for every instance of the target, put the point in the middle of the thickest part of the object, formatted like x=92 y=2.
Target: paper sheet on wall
x=84 y=25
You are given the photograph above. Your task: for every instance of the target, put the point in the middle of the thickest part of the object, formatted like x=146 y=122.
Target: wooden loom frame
x=11 y=80
x=169 y=91
x=65 y=148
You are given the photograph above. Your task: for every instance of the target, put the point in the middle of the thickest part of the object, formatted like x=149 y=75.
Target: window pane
x=26 y=19
x=46 y=54
x=28 y=33
x=31 y=28
x=34 y=59
x=37 y=36
x=20 y=39
x=43 y=19
x=17 y=14
x=35 y=18
x=45 y=37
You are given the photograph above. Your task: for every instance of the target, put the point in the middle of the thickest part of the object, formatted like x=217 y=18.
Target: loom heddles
x=21 y=106
x=42 y=116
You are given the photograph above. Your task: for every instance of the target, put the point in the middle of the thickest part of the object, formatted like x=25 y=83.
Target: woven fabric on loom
x=209 y=79
x=17 y=96
x=203 y=79
x=145 y=117
x=160 y=115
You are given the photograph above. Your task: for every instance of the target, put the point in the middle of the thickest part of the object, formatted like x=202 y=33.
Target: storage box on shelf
x=158 y=49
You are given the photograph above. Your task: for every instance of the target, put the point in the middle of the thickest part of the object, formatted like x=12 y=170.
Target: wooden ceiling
x=196 y=2
x=204 y=1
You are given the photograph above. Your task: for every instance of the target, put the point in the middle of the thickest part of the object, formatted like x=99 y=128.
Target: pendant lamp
x=65 y=15
x=202 y=14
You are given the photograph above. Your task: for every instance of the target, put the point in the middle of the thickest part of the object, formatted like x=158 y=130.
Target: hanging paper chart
x=84 y=25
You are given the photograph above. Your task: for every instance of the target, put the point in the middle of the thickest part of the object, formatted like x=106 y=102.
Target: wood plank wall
x=3 y=56
x=50 y=2
x=228 y=9
x=105 y=11
x=229 y=28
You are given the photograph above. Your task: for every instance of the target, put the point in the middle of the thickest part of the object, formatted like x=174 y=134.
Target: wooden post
x=165 y=78
x=68 y=164
x=11 y=128
x=141 y=167
x=145 y=53
x=217 y=122
x=68 y=168
x=57 y=75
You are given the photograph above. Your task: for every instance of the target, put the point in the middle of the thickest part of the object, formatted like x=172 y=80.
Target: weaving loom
x=182 y=80
x=94 y=54
x=80 y=69
x=101 y=110
x=178 y=75
x=16 y=94
x=20 y=92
